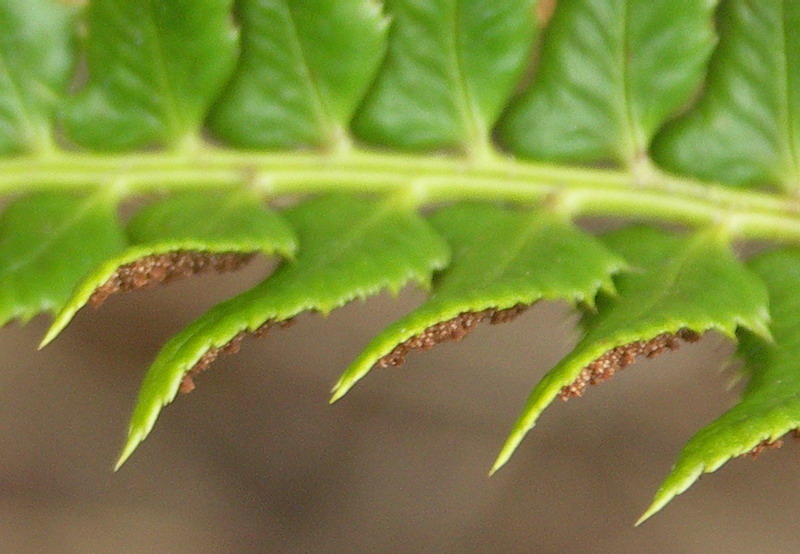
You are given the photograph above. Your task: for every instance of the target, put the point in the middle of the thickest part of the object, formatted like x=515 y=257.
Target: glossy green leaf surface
x=770 y=403
x=33 y=72
x=48 y=241
x=189 y=222
x=676 y=282
x=611 y=72
x=450 y=68
x=501 y=258
x=303 y=70
x=154 y=67
x=744 y=129
x=350 y=248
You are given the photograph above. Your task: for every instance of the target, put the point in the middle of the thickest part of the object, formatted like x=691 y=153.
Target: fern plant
x=371 y=146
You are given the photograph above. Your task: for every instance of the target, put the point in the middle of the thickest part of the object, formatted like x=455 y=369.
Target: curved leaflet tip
x=352 y=248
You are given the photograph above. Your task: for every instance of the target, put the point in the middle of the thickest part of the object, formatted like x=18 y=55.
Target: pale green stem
x=426 y=178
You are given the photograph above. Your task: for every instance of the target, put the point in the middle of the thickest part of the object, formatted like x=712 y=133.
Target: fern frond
x=405 y=143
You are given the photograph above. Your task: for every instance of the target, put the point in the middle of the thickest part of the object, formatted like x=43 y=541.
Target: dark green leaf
x=304 y=68
x=350 y=248
x=48 y=241
x=182 y=234
x=744 y=129
x=501 y=259
x=679 y=287
x=154 y=69
x=610 y=73
x=36 y=56
x=770 y=404
x=450 y=69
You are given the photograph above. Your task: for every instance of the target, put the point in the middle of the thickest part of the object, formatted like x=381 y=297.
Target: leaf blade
x=704 y=287
x=607 y=78
x=33 y=73
x=154 y=70
x=303 y=70
x=47 y=243
x=742 y=130
x=189 y=222
x=354 y=248
x=527 y=256
x=770 y=403
x=466 y=56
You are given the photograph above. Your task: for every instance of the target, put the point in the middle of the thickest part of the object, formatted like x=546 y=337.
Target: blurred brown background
x=256 y=461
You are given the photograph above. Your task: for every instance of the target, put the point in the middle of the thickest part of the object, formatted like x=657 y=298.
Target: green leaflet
x=48 y=241
x=303 y=70
x=611 y=72
x=189 y=222
x=154 y=69
x=744 y=129
x=770 y=405
x=351 y=248
x=33 y=72
x=501 y=258
x=414 y=75
x=449 y=71
x=676 y=283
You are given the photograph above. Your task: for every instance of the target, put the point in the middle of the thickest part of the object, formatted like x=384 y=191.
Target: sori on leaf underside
x=446 y=143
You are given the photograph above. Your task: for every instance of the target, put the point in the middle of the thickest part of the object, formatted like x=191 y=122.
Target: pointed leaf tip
x=179 y=236
x=770 y=406
x=492 y=277
x=345 y=257
x=688 y=285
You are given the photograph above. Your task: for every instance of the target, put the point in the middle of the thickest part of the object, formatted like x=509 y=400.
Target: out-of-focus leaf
x=36 y=56
x=155 y=67
x=744 y=128
x=449 y=71
x=610 y=73
x=303 y=70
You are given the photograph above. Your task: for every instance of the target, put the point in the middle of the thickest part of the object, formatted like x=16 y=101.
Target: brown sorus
x=452 y=329
x=604 y=367
x=767 y=444
x=163 y=268
x=231 y=347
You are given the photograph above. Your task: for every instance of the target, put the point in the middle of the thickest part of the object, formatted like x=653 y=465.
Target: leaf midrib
x=428 y=178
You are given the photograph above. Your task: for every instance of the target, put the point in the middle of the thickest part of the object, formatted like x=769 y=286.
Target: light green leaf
x=155 y=67
x=350 y=248
x=502 y=259
x=449 y=71
x=610 y=73
x=33 y=72
x=770 y=404
x=744 y=129
x=679 y=287
x=303 y=70
x=179 y=235
x=48 y=241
